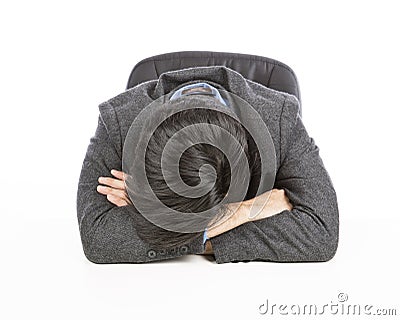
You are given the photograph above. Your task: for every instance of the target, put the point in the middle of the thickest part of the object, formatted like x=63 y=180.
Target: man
x=304 y=229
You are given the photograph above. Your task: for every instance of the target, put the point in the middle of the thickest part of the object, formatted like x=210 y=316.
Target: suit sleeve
x=108 y=232
x=309 y=232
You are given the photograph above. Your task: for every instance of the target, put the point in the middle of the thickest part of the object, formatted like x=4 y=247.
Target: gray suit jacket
x=309 y=232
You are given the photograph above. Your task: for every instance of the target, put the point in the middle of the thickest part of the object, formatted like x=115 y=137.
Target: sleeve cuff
x=205 y=238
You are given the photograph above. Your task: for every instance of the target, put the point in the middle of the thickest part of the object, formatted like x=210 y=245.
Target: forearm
x=290 y=236
x=236 y=218
x=307 y=232
x=109 y=233
x=265 y=205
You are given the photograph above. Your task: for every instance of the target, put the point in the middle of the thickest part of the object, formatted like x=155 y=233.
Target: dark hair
x=190 y=162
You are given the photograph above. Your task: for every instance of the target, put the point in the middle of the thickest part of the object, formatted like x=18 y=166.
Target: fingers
x=116 y=200
x=115 y=192
x=118 y=174
x=114 y=189
x=116 y=196
x=113 y=183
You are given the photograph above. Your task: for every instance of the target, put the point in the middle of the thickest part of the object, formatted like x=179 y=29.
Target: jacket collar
x=220 y=77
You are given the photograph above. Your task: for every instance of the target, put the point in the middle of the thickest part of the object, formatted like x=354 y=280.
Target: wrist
x=208 y=248
x=237 y=215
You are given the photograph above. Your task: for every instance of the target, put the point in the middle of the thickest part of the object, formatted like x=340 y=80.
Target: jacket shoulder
x=274 y=99
x=119 y=112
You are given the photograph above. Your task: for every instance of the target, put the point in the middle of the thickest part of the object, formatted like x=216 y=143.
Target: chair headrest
x=266 y=71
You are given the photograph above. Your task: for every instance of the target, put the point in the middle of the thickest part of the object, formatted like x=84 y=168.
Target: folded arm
x=307 y=232
x=108 y=232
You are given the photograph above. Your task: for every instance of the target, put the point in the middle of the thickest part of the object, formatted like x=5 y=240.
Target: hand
x=114 y=189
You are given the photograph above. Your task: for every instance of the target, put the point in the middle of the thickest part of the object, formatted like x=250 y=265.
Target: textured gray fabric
x=307 y=233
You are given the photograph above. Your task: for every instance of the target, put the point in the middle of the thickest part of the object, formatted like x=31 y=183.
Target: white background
x=60 y=60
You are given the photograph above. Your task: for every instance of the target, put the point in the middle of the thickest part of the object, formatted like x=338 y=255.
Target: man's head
x=201 y=164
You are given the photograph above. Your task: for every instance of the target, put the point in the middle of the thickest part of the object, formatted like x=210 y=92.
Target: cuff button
x=151 y=254
x=184 y=249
